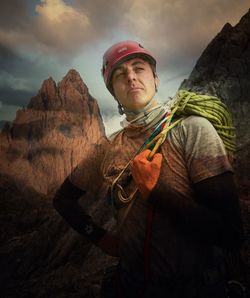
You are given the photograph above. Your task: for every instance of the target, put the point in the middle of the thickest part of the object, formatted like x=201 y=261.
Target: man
x=176 y=209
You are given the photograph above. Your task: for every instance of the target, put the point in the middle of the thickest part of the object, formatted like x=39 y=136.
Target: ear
x=157 y=82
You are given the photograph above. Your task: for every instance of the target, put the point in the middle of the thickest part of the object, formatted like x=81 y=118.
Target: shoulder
x=196 y=122
x=195 y=132
x=192 y=127
x=196 y=126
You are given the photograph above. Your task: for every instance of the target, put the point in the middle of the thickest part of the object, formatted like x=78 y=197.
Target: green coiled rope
x=210 y=107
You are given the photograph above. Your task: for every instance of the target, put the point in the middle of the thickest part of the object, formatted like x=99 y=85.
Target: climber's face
x=134 y=84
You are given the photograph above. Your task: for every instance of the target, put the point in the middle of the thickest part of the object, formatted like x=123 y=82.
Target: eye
x=119 y=74
x=139 y=69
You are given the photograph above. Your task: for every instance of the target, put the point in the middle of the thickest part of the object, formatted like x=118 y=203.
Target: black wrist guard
x=92 y=231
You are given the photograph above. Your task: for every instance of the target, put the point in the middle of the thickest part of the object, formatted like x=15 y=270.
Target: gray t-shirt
x=192 y=152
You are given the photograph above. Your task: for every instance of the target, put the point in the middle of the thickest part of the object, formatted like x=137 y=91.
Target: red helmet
x=120 y=52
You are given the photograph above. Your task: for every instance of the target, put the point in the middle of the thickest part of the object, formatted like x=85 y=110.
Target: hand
x=146 y=173
x=109 y=244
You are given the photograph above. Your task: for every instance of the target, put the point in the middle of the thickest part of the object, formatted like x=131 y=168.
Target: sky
x=46 y=38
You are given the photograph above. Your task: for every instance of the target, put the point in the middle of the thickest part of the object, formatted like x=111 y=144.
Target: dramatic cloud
x=46 y=38
x=179 y=30
x=55 y=28
x=62 y=27
x=170 y=28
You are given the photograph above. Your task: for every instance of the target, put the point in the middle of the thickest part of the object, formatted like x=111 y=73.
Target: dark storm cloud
x=11 y=61
x=12 y=66
x=13 y=14
x=15 y=97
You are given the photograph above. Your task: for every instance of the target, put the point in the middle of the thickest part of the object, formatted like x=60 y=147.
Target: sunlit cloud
x=62 y=27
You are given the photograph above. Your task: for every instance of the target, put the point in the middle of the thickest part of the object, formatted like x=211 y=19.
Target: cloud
x=13 y=15
x=178 y=30
x=56 y=28
x=61 y=27
x=46 y=38
x=15 y=97
x=21 y=84
x=171 y=29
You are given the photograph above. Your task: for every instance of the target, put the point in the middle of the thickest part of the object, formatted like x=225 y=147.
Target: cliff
x=224 y=70
x=49 y=138
x=40 y=255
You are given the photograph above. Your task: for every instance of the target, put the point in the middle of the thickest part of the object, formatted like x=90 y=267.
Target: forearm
x=214 y=214
x=66 y=203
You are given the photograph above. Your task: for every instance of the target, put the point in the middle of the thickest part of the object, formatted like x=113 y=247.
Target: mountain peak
x=61 y=122
x=69 y=94
x=223 y=67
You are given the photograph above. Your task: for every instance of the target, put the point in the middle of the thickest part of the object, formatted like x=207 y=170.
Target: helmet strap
x=120 y=109
x=156 y=89
x=132 y=113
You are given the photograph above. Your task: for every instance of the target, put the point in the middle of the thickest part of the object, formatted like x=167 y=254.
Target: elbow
x=66 y=196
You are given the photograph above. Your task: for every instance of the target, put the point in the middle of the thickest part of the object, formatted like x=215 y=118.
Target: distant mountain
x=40 y=255
x=61 y=125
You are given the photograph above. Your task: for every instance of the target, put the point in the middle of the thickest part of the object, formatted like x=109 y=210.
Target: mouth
x=134 y=90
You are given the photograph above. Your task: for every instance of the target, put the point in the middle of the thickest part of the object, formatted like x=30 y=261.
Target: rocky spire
x=48 y=138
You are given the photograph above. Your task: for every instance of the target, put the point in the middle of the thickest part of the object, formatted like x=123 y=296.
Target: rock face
x=40 y=255
x=224 y=70
x=49 y=138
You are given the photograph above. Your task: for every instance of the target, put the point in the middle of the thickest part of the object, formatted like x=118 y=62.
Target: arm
x=66 y=203
x=213 y=216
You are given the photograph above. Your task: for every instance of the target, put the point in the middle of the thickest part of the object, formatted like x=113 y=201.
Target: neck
x=131 y=115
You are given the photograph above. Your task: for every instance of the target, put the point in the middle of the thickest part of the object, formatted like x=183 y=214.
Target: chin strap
x=122 y=110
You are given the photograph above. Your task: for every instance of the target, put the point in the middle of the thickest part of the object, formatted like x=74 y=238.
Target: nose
x=131 y=76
